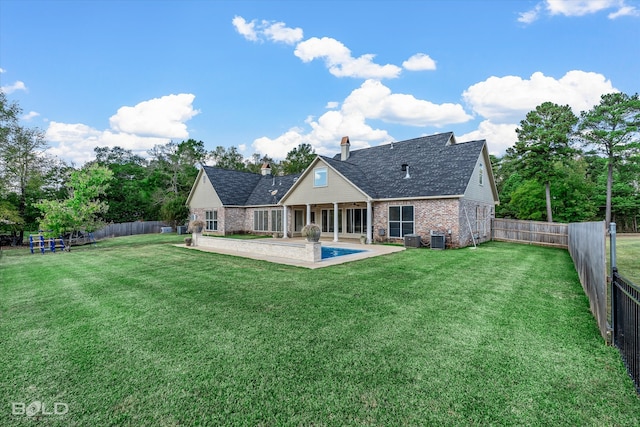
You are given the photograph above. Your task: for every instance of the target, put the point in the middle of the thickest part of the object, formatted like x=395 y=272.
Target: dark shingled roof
x=236 y=188
x=270 y=189
x=436 y=168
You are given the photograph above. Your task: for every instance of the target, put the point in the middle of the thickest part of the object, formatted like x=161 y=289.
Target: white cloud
x=419 y=62
x=499 y=136
x=137 y=128
x=338 y=59
x=371 y=101
x=579 y=8
x=624 y=11
x=530 y=15
x=165 y=117
x=30 y=115
x=376 y=101
x=244 y=28
x=18 y=85
x=274 y=31
x=332 y=105
x=277 y=32
x=508 y=99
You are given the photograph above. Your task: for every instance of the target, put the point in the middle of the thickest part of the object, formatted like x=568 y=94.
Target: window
x=400 y=221
x=276 y=220
x=320 y=177
x=261 y=220
x=480 y=174
x=357 y=221
x=211 y=220
x=327 y=220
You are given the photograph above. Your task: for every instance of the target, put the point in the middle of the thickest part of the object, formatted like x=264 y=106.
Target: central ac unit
x=412 y=241
x=437 y=240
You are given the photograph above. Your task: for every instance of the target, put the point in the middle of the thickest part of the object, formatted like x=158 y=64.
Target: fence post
x=614 y=271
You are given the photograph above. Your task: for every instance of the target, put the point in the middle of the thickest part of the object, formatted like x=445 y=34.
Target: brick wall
x=438 y=215
x=447 y=216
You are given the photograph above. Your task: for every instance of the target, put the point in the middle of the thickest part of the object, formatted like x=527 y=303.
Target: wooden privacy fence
x=587 y=246
x=129 y=229
x=531 y=232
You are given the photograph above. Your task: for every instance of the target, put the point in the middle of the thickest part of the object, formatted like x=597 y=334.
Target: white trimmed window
x=211 y=218
x=480 y=174
x=261 y=220
x=320 y=177
x=400 y=221
x=276 y=220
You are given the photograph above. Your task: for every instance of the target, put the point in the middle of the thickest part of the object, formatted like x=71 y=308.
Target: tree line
x=562 y=167
x=40 y=192
x=570 y=168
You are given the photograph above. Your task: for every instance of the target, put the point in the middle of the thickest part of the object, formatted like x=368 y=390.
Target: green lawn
x=140 y=332
x=628 y=254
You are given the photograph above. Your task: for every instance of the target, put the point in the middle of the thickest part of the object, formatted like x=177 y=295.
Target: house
x=432 y=185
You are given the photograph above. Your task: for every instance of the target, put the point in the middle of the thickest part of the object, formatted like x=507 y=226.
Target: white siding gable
x=203 y=194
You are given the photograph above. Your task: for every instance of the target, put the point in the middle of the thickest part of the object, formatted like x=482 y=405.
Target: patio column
x=369 y=225
x=335 y=221
x=308 y=213
x=285 y=225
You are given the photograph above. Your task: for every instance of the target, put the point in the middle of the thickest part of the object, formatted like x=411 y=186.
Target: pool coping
x=369 y=251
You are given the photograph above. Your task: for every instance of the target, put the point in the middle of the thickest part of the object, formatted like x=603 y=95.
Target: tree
x=611 y=127
x=173 y=170
x=298 y=159
x=24 y=165
x=543 y=141
x=129 y=195
x=228 y=158
x=10 y=220
x=82 y=210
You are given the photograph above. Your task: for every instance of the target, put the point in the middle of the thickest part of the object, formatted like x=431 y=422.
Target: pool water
x=328 y=252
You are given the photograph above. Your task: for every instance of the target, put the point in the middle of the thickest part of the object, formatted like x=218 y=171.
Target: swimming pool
x=328 y=252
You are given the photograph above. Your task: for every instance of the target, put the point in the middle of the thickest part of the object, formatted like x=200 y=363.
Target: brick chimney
x=265 y=169
x=344 y=148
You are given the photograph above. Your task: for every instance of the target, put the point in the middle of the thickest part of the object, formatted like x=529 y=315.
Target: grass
x=627 y=256
x=140 y=332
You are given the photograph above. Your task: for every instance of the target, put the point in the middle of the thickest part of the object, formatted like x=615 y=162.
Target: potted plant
x=311 y=232
x=196 y=226
x=363 y=239
x=187 y=241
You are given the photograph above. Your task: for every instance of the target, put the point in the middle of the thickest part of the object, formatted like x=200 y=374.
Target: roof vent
x=407 y=176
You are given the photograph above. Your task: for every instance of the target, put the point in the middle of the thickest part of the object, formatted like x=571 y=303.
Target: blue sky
x=265 y=76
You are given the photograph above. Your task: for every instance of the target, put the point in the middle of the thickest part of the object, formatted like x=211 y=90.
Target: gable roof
x=237 y=188
x=437 y=166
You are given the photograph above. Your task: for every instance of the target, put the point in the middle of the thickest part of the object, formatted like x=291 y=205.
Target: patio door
x=298 y=220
